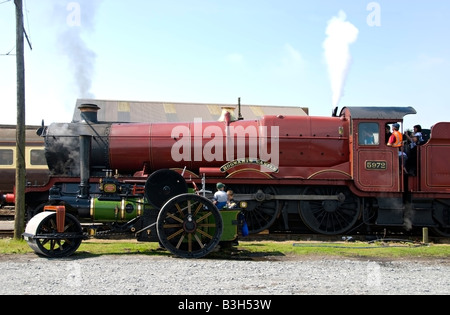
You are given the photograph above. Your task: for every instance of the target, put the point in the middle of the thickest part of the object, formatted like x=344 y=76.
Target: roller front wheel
x=42 y=236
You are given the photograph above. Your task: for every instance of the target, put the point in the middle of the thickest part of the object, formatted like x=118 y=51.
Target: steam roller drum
x=163 y=185
x=42 y=237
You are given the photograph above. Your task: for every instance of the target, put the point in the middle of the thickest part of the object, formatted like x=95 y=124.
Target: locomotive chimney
x=85 y=159
x=89 y=113
x=239 y=113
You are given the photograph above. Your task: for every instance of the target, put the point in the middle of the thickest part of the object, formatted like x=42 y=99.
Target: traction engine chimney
x=89 y=113
x=85 y=159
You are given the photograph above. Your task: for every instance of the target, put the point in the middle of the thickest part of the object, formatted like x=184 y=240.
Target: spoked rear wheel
x=189 y=226
x=42 y=236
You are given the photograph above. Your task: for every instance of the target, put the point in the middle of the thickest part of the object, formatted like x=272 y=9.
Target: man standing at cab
x=396 y=141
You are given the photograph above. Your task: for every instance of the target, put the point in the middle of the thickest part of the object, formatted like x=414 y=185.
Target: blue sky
x=213 y=51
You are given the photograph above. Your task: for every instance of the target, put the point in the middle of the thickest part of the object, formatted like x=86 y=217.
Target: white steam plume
x=340 y=34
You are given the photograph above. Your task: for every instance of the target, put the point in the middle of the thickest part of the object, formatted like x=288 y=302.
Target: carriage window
x=6 y=157
x=37 y=157
x=369 y=134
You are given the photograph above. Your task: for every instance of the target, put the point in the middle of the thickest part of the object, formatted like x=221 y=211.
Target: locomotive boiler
x=321 y=170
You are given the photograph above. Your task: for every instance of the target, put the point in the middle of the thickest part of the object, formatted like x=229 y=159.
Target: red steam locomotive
x=334 y=174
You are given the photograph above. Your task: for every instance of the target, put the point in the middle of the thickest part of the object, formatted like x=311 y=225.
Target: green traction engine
x=163 y=210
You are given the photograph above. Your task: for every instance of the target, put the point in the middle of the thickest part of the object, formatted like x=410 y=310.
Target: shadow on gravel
x=150 y=252
x=237 y=254
x=232 y=253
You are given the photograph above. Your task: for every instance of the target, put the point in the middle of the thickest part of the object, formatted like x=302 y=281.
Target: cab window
x=369 y=134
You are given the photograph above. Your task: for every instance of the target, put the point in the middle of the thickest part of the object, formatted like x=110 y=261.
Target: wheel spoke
x=179 y=210
x=200 y=206
x=180 y=241
x=204 y=217
x=175 y=234
x=170 y=215
x=199 y=241
x=190 y=243
x=205 y=225
x=173 y=226
x=204 y=234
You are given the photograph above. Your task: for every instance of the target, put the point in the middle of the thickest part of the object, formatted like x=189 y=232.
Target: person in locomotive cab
x=220 y=196
x=366 y=137
x=388 y=132
x=411 y=163
x=417 y=133
x=396 y=141
x=368 y=133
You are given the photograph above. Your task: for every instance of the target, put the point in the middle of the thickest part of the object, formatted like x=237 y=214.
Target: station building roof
x=138 y=111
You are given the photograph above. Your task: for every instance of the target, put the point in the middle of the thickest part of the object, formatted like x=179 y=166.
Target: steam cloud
x=340 y=34
x=77 y=19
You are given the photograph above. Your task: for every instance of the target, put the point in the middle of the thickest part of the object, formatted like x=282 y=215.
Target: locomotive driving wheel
x=42 y=236
x=260 y=212
x=328 y=216
x=189 y=226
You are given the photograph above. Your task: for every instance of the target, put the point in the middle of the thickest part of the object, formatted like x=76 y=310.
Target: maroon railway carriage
x=291 y=171
x=37 y=172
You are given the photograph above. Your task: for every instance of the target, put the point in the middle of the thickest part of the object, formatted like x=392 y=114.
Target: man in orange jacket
x=396 y=139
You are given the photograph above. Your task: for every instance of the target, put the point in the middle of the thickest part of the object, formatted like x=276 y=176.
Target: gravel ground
x=131 y=274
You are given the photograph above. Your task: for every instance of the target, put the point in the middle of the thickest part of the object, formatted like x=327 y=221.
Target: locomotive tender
x=135 y=176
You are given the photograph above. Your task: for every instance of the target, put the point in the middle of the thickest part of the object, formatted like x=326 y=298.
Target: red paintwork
x=434 y=159
x=312 y=151
x=60 y=216
x=379 y=180
x=307 y=146
x=10 y=198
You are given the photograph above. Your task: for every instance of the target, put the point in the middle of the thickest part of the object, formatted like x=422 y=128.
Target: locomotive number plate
x=376 y=165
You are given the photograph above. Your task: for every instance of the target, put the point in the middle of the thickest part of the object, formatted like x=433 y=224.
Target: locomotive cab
x=376 y=167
